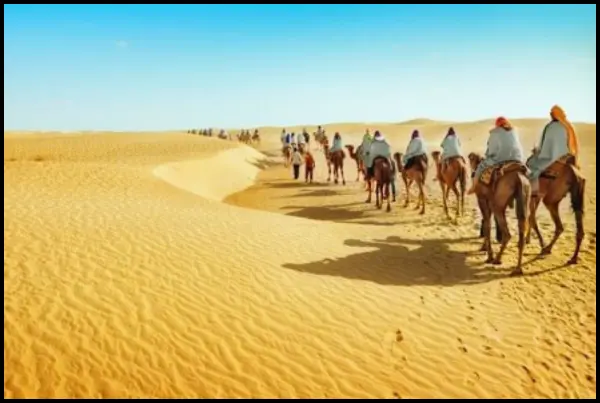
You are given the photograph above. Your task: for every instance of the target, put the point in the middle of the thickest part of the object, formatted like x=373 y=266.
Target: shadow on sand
x=432 y=263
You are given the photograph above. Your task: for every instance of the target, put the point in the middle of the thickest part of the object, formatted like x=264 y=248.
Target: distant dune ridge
x=174 y=265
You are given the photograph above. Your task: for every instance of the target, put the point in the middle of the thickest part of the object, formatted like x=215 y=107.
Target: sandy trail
x=126 y=276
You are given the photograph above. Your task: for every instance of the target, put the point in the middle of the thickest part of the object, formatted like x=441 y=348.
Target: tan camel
x=449 y=173
x=334 y=160
x=416 y=173
x=497 y=188
x=558 y=180
x=357 y=157
x=256 y=137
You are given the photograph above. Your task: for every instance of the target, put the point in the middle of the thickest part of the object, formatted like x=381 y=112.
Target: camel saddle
x=491 y=174
x=554 y=170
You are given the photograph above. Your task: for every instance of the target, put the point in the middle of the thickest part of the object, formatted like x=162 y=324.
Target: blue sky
x=156 y=67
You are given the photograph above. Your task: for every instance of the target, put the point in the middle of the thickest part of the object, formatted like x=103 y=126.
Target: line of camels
x=243 y=136
x=501 y=187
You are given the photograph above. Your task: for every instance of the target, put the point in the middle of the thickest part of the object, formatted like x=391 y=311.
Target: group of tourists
x=558 y=139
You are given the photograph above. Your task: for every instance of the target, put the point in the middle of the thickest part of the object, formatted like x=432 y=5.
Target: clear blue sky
x=155 y=67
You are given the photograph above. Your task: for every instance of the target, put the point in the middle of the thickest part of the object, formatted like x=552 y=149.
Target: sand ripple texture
x=125 y=275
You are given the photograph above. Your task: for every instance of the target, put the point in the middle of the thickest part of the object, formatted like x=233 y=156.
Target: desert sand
x=173 y=265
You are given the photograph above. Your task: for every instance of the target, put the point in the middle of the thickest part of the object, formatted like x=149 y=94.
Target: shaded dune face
x=173 y=265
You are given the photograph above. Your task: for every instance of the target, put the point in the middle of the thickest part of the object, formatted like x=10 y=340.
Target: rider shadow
x=432 y=263
x=323 y=213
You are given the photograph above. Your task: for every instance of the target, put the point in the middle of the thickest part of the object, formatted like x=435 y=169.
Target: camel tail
x=577 y=191
x=522 y=197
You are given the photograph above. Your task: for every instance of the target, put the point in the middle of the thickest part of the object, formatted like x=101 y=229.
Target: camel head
x=436 y=156
x=474 y=160
x=398 y=158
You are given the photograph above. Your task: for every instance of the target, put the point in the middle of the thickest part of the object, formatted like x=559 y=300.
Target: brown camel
x=334 y=159
x=449 y=173
x=256 y=137
x=357 y=156
x=507 y=183
x=416 y=172
x=558 y=180
x=382 y=175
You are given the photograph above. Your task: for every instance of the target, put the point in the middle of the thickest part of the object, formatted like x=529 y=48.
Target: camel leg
x=422 y=196
x=444 y=197
x=486 y=213
x=500 y=214
x=455 y=191
x=533 y=224
x=377 y=200
x=522 y=228
x=369 y=190
x=579 y=237
x=387 y=194
x=407 y=187
x=558 y=227
x=328 y=172
x=336 y=173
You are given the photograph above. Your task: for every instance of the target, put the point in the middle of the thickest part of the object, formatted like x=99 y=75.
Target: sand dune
x=172 y=265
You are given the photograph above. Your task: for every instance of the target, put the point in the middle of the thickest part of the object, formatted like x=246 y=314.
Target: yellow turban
x=572 y=141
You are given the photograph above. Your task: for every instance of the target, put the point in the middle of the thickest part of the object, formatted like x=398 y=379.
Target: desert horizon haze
x=146 y=262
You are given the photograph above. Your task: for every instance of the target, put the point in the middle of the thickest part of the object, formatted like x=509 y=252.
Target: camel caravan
x=243 y=136
x=502 y=178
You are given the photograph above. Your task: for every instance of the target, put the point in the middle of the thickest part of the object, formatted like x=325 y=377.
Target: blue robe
x=503 y=146
x=553 y=145
x=337 y=145
x=451 y=147
x=378 y=148
x=415 y=148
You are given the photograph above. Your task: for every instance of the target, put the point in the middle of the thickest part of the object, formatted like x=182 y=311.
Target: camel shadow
x=290 y=183
x=396 y=261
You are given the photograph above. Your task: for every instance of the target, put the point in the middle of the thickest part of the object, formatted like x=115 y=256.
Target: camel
x=507 y=182
x=450 y=172
x=382 y=175
x=335 y=159
x=256 y=137
x=287 y=155
x=415 y=173
x=357 y=156
x=558 y=180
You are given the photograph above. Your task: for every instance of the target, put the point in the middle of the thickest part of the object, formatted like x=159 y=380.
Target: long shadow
x=432 y=263
x=289 y=184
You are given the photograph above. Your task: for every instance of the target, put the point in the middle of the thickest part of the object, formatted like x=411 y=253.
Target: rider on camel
x=366 y=144
x=416 y=147
x=337 y=143
x=379 y=147
x=559 y=139
x=503 y=146
x=451 y=146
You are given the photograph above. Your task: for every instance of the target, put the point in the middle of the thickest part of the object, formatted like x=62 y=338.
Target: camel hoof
x=483 y=248
x=496 y=262
x=368 y=201
x=545 y=251
x=516 y=272
x=343 y=182
x=388 y=209
x=335 y=181
x=422 y=212
x=572 y=261
x=489 y=260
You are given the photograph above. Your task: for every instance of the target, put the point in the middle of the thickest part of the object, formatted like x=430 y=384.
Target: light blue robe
x=366 y=146
x=503 y=146
x=415 y=148
x=553 y=145
x=337 y=145
x=451 y=147
x=378 y=148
